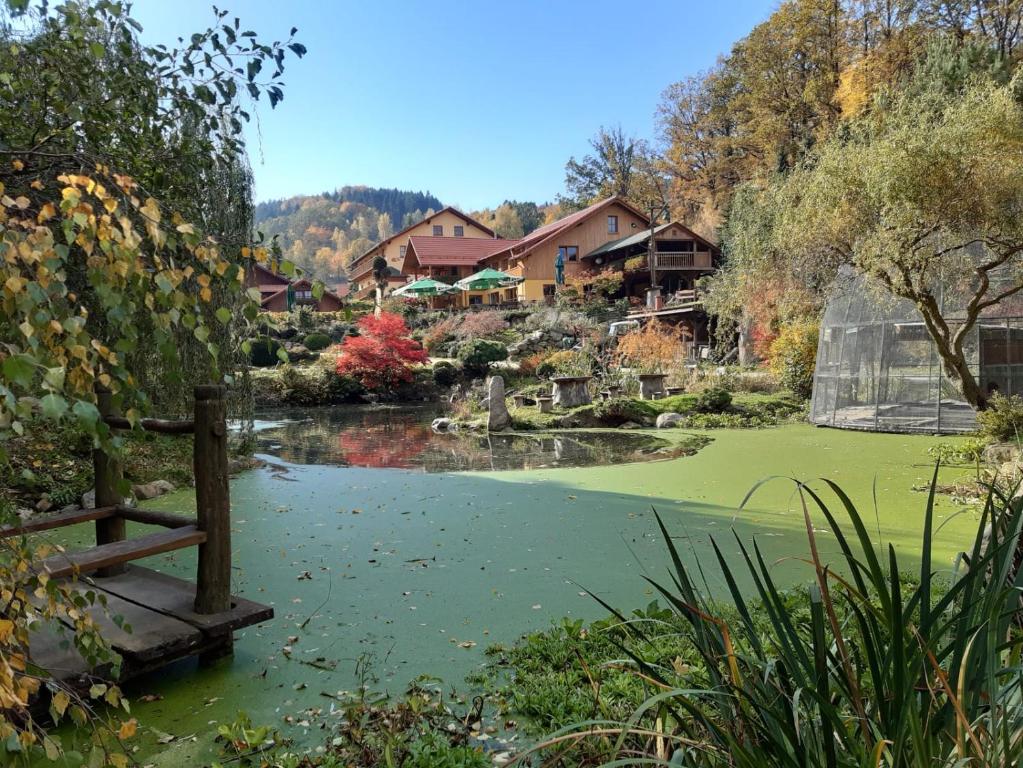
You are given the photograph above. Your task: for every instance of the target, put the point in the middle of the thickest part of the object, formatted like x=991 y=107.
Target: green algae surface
x=378 y=576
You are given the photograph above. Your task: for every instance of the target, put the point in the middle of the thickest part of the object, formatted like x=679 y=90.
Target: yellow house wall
x=447 y=220
x=538 y=267
x=392 y=250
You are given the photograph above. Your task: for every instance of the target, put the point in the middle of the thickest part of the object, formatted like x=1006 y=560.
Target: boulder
x=298 y=353
x=89 y=499
x=1000 y=453
x=143 y=491
x=630 y=425
x=670 y=419
x=44 y=504
x=441 y=425
x=498 y=417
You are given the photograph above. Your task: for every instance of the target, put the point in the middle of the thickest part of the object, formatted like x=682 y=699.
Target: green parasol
x=486 y=279
x=424 y=286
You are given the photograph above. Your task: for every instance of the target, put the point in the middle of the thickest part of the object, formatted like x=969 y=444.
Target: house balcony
x=684 y=260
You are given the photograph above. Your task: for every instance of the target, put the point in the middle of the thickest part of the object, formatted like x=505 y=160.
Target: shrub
x=970 y=451
x=792 y=356
x=316 y=341
x=618 y=410
x=445 y=374
x=655 y=348
x=409 y=307
x=263 y=352
x=383 y=355
x=478 y=354
x=485 y=324
x=440 y=333
x=529 y=365
x=338 y=331
x=341 y=389
x=713 y=400
x=567 y=362
x=1003 y=417
x=303 y=317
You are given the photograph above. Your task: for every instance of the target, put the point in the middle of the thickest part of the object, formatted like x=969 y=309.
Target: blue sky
x=477 y=102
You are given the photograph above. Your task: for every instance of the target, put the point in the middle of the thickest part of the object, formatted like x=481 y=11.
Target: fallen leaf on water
x=467 y=644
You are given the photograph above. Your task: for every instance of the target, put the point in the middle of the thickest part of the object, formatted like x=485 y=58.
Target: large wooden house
x=448 y=223
x=572 y=237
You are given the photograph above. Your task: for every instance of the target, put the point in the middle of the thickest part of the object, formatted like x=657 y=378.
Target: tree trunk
x=961 y=376
x=950 y=349
x=746 y=353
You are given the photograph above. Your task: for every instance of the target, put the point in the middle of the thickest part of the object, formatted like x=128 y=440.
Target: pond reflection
x=401 y=437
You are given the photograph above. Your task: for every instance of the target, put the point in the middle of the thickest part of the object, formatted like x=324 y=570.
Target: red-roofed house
x=266 y=280
x=449 y=259
x=532 y=258
x=279 y=294
x=446 y=223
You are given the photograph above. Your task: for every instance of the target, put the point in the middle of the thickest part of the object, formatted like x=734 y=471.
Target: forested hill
x=322 y=233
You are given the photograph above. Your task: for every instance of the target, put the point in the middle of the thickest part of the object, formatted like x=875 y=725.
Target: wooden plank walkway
x=164 y=627
x=150 y=619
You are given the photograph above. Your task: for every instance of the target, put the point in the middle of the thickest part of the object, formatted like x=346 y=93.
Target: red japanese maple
x=382 y=355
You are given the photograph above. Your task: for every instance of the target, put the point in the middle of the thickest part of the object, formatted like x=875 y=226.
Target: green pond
x=379 y=575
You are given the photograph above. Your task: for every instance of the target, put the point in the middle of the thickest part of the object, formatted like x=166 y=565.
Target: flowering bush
x=381 y=357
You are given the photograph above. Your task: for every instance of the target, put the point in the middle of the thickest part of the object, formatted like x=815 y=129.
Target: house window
x=612 y=225
x=568 y=252
x=549 y=289
x=438 y=230
x=459 y=231
x=401 y=251
x=454 y=271
x=475 y=300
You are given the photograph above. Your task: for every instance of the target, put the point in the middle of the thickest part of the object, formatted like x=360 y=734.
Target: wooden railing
x=210 y=530
x=683 y=260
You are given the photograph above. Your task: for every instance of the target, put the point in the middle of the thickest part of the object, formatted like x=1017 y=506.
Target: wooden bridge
x=170 y=618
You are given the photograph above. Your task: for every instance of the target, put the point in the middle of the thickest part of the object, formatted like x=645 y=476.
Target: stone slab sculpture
x=571 y=391
x=497 y=412
x=651 y=385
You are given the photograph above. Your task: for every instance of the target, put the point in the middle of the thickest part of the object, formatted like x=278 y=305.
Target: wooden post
x=107 y=479
x=213 y=502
